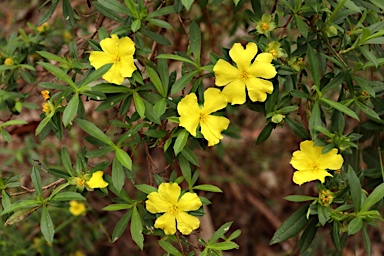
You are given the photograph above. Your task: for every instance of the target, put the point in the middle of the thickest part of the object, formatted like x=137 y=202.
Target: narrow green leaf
x=59 y=73
x=308 y=235
x=337 y=80
x=265 y=133
x=42 y=124
x=147 y=189
x=376 y=195
x=117 y=207
x=96 y=75
x=371 y=113
x=185 y=168
x=50 y=56
x=48 y=13
x=190 y=156
x=169 y=248
x=137 y=228
x=341 y=107
x=139 y=103
x=367 y=239
x=180 y=142
x=155 y=79
x=187 y=4
x=291 y=226
x=161 y=23
x=302 y=26
x=36 y=180
x=314 y=65
x=20 y=215
x=68 y=13
x=71 y=110
x=124 y=158
x=195 y=38
x=118 y=176
x=298 y=128
x=176 y=57
x=21 y=205
x=94 y=131
x=155 y=37
x=355 y=225
x=208 y=187
x=46 y=225
x=136 y=25
x=160 y=107
x=355 y=188
x=121 y=226
x=222 y=246
x=299 y=198
x=219 y=233
x=67 y=196
x=66 y=161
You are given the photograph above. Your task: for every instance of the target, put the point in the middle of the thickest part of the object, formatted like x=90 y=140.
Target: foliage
x=326 y=90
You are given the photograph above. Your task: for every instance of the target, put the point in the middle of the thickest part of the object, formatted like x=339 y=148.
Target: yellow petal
x=128 y=66
x=77 y=208
x=225 y=73
x=211 y=128
x=189 y=202
x=262 y=66
x=235 y=92
x=157 y=204
x=110 y=45
x=300 y=161
x=167 y=222
x=126 y=46
x=330 y=160
x=97 y=181
x=169 y=192
x=99 y=59
x=186 y=223
x=214 y=100
x=258 y=88
x=243 y=57
x=300 y=177
x=189 y=112
x=310 y=150
x=114 y=75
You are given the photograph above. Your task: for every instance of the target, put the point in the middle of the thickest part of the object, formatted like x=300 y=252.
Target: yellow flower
x=191 y=115
x=97 y=181
x=264 y=26
x=167 y=200
x=77 y=208
x=246 y=75
x=43 y=28
x=46 y=108
x=9 y=62
x=311 y=164
x=120 y=53
x=274 y=49
x=45 y=94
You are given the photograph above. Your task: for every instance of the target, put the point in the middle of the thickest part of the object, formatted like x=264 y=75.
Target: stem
x=28 y=190
x=381 y=162
x=180 y=245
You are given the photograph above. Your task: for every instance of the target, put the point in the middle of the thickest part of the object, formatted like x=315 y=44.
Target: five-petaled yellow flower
x=97 y=181
x=120 y=53
x=77 y=208
x=191 y=115
x=311 y=164
x=246 y=75
x=167 y=200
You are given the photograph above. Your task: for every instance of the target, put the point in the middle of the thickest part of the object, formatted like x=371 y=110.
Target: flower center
x=80 y=182
x=243 y=76
x=264 y=26
x=173 y=210
x=203 y=117
x=314 y=166
x=273 y=52
x=117 y=59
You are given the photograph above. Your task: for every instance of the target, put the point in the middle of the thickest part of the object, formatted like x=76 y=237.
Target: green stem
x=381 y=162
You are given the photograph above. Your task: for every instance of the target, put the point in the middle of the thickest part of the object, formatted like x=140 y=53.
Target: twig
x=180 y=245
x=183 y=26
x=29 y=190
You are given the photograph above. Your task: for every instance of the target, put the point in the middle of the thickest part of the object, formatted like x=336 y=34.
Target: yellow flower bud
x=43 y=28
x=9 y=62
x=45 y=94
x=46 y=108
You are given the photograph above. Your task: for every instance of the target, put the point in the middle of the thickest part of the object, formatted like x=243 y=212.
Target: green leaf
x=139 y=103
x=136 y=25
x=355 y=225
x=68 y=13
x=302 y=26
x=341 y=108
x=291 y=226
x=106 y=10
x=376 y=195
x=36 y=180
x=190 y=156
x=20 y=215
x=219 y=233
x=48 y=13
x=20 y=205
x=187 y=4
x=367 y=239
x=223 y=246
x=46 y=225
x=42 y=124
x=185 y=169
x=117 y=207
x=298 y=128
x=67 y=196
x=155 y=79
x=96 y=75
x=161 y=23
x=6 y=136
x=169 y=248
x=208 y=187
x=71 y=110
x=147 y=189
x=265 y=133
x=323 y=213
x=299 y=198
x=50 y=56
x=160 y=107
x=180 y=142
x=308 y=235
x=124 y=158
x=314 y=65
x=121 y=226
x=66 y=161
x=337 y=80
x=117 y=174
x=137 y=228
x=92 y=130
x=182 y=82
x=59 y=73
x=355 y=188
x=371 y=113
x=195 y=38
x=155 y=37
